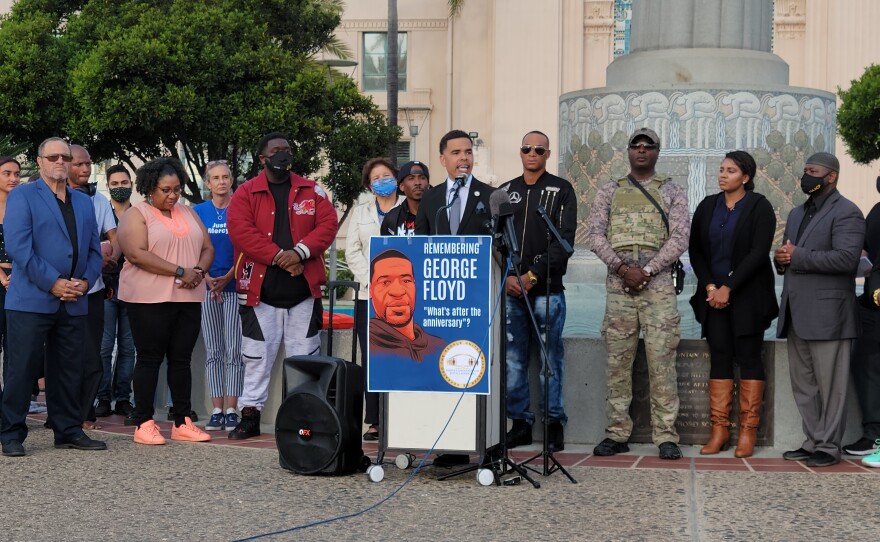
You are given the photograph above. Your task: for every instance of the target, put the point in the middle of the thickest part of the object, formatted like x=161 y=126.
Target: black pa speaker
x=318 y=426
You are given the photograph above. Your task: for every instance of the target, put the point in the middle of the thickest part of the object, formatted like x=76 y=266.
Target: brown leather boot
x=720 y=400
x=750 y=394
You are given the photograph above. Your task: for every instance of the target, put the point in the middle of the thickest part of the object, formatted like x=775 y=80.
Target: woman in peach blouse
x=167 y=251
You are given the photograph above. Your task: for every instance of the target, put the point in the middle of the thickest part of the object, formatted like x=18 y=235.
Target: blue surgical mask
x=384 y=187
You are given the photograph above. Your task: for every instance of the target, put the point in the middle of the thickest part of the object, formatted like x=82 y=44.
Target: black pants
x=865 y=369
x=160 y=331
x=371 y=414
x=725 y=348
x=56 y=338
x=93 y=366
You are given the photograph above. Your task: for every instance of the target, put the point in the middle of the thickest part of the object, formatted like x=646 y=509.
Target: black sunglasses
x=645 y=146
x=539 y=150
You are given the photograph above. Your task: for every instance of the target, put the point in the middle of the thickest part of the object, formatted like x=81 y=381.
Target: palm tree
x=392 y=81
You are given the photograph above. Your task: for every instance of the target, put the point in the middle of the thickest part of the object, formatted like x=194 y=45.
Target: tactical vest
x=634 y=220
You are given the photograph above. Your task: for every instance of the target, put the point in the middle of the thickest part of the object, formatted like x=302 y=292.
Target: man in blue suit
x=52 y=237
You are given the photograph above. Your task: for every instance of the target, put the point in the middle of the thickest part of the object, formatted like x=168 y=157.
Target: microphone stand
x=500 y=462
x=543 y=343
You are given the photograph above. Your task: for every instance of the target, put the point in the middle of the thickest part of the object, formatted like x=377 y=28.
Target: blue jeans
x=117 y=330
x=520 y=337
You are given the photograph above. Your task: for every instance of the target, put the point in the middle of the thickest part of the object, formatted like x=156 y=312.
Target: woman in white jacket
x=380 y=182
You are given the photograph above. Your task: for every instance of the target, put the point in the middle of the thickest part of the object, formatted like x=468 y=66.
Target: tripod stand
x=496 y=458
x=550 y=463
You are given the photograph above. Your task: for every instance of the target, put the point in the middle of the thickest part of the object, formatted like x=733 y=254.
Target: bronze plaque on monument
x=694 y=424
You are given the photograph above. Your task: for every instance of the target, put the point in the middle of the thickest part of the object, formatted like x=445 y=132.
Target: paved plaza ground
x=220 y=491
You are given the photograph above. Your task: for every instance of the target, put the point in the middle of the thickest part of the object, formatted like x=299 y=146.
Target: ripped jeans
x=520 y=337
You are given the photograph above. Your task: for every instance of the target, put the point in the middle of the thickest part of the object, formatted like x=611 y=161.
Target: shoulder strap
x=638 y=185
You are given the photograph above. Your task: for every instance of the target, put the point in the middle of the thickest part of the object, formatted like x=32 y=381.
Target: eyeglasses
x=643 y=146
x=539 y=150
x=177 y=190
x=55 y=157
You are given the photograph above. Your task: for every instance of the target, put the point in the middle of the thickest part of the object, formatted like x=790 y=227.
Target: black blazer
x=476 y=212
x=752 y=286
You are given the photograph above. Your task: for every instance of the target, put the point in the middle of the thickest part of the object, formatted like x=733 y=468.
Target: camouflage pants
x=656 y=314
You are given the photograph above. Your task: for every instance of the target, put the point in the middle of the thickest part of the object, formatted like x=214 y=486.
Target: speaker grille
x=307 y=432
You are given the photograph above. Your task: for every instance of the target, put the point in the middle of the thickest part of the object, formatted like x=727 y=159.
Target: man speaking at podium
x=534 y=189
x=464 y=199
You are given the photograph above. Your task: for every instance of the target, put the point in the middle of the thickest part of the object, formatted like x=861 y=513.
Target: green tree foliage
x=858 y=118
x=132 y=79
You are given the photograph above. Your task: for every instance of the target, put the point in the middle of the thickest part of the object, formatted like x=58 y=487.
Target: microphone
x=502 y=217
x=459 y=182
x=563 y=242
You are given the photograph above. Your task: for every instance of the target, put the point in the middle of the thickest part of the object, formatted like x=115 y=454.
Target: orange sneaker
x=148 y=433
x=189 y=432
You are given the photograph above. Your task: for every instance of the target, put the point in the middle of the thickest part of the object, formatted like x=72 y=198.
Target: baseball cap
x=412 y=168
x=646 y=132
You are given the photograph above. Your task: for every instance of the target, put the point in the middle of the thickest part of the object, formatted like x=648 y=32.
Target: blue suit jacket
x=38 y=243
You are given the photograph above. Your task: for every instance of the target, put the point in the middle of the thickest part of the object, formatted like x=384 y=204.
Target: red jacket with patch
x=251 y=222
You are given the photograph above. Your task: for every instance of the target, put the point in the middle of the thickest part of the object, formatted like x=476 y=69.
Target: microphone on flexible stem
x=502 y=219
x=563 y=242
x=459 y=182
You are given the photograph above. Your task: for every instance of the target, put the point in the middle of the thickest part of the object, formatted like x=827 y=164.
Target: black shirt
x=811 y=207
x=279 y=288
x=721 y=229
x=66 y=207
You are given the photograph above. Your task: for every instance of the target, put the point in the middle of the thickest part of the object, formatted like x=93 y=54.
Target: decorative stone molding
x=790 y=19
x=696 y=127
x=381 y=25
x=599 y=19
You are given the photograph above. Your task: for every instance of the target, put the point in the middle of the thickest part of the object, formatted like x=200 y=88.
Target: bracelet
x=710 y=288
x=876 y=297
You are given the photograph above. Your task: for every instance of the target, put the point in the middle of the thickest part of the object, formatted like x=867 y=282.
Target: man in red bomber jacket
x=280 y=225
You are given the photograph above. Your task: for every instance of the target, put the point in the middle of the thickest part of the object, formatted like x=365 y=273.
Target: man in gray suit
x=823 y=243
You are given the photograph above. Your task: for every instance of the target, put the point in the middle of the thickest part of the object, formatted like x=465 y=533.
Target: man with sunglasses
x=534 y=189
x=630 y=234
x=52 y=236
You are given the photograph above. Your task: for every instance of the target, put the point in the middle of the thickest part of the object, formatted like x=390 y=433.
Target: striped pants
x=221 y=329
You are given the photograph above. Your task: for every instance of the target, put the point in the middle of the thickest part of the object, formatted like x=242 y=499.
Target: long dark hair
x=746 y=164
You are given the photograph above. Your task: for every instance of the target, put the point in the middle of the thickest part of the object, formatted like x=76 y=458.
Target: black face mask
x=88 y=189
x=280 y=161
x=810 y=185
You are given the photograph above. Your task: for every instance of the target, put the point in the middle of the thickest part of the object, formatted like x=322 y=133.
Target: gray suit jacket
x=819 y=287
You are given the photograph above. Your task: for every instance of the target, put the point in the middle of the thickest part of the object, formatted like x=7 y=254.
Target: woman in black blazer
x=730 y=244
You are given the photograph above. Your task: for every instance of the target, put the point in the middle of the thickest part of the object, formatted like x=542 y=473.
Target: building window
x=375 y=61
x=404 y=152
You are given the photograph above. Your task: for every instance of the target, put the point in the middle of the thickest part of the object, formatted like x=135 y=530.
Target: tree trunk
x=391 y=79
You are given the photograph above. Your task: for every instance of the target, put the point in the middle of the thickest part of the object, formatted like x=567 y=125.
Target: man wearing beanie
x=817 y=314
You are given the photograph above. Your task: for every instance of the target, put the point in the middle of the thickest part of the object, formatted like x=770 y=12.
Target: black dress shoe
x=13 y=448
x=452 y=460
x=797 y=455
x=83 y=443
x=103 y=409
x=822 y=459
x=555 y=437
x=670 y=450
x=610 y=447
x=520 y=434
x=123 y=407
x=372 y=434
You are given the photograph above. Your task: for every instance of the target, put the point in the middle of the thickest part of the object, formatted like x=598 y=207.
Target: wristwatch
x=179 y=272
x=533 y=278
